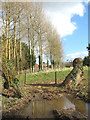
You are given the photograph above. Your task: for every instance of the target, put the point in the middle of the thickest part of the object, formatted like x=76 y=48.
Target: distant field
x=48 y=77
x=42 y=77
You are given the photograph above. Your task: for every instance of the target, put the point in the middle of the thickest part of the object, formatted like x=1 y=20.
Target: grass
x=44 y=77
x=47 y=77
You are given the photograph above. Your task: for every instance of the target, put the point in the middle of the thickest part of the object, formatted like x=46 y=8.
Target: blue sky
x=71 y=22
x=75 y=44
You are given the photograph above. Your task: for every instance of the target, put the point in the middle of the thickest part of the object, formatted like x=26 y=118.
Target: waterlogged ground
x=52 y=96
x=44 y=108
x=47 y=96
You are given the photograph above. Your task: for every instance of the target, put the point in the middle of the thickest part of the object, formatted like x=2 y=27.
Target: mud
x=31 y=94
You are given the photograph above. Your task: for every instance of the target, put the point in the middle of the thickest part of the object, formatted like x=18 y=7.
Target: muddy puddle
x=43 y=109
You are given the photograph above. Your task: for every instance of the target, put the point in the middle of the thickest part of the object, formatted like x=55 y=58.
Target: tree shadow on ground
x=46 y=85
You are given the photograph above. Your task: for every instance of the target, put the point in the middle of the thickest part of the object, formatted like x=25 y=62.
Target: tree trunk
x=15 y=57
x=39 y=63
x=9 y=38
x=6 y=37
x=47 y=63
x=33 y=54
x=29 y=41
x=41 y=57
x=52 y=62
x=20 y=44
x=14 y=38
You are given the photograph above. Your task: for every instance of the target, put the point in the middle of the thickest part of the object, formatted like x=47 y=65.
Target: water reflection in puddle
x=39 y=109
x=79 y=104
x=43 y=109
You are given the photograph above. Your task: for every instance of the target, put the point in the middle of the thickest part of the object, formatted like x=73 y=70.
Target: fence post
x=25 y=78
x=55 y=77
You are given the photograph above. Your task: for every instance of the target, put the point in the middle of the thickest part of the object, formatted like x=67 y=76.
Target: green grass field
x=47 y=77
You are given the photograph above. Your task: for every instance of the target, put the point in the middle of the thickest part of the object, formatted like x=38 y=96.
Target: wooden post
x=55 y=78
x=25 y=78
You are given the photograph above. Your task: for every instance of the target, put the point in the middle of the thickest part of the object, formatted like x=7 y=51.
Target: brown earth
x=13 y=105
x=69 y=114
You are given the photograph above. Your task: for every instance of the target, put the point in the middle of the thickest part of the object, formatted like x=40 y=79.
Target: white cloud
x=81 y=54
x=61 y=13
x=64 y=39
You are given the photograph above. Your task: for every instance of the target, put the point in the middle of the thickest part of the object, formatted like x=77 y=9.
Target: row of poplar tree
x=27 y=34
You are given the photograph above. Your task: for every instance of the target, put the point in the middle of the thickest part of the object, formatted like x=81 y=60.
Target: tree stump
x=76 y=75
